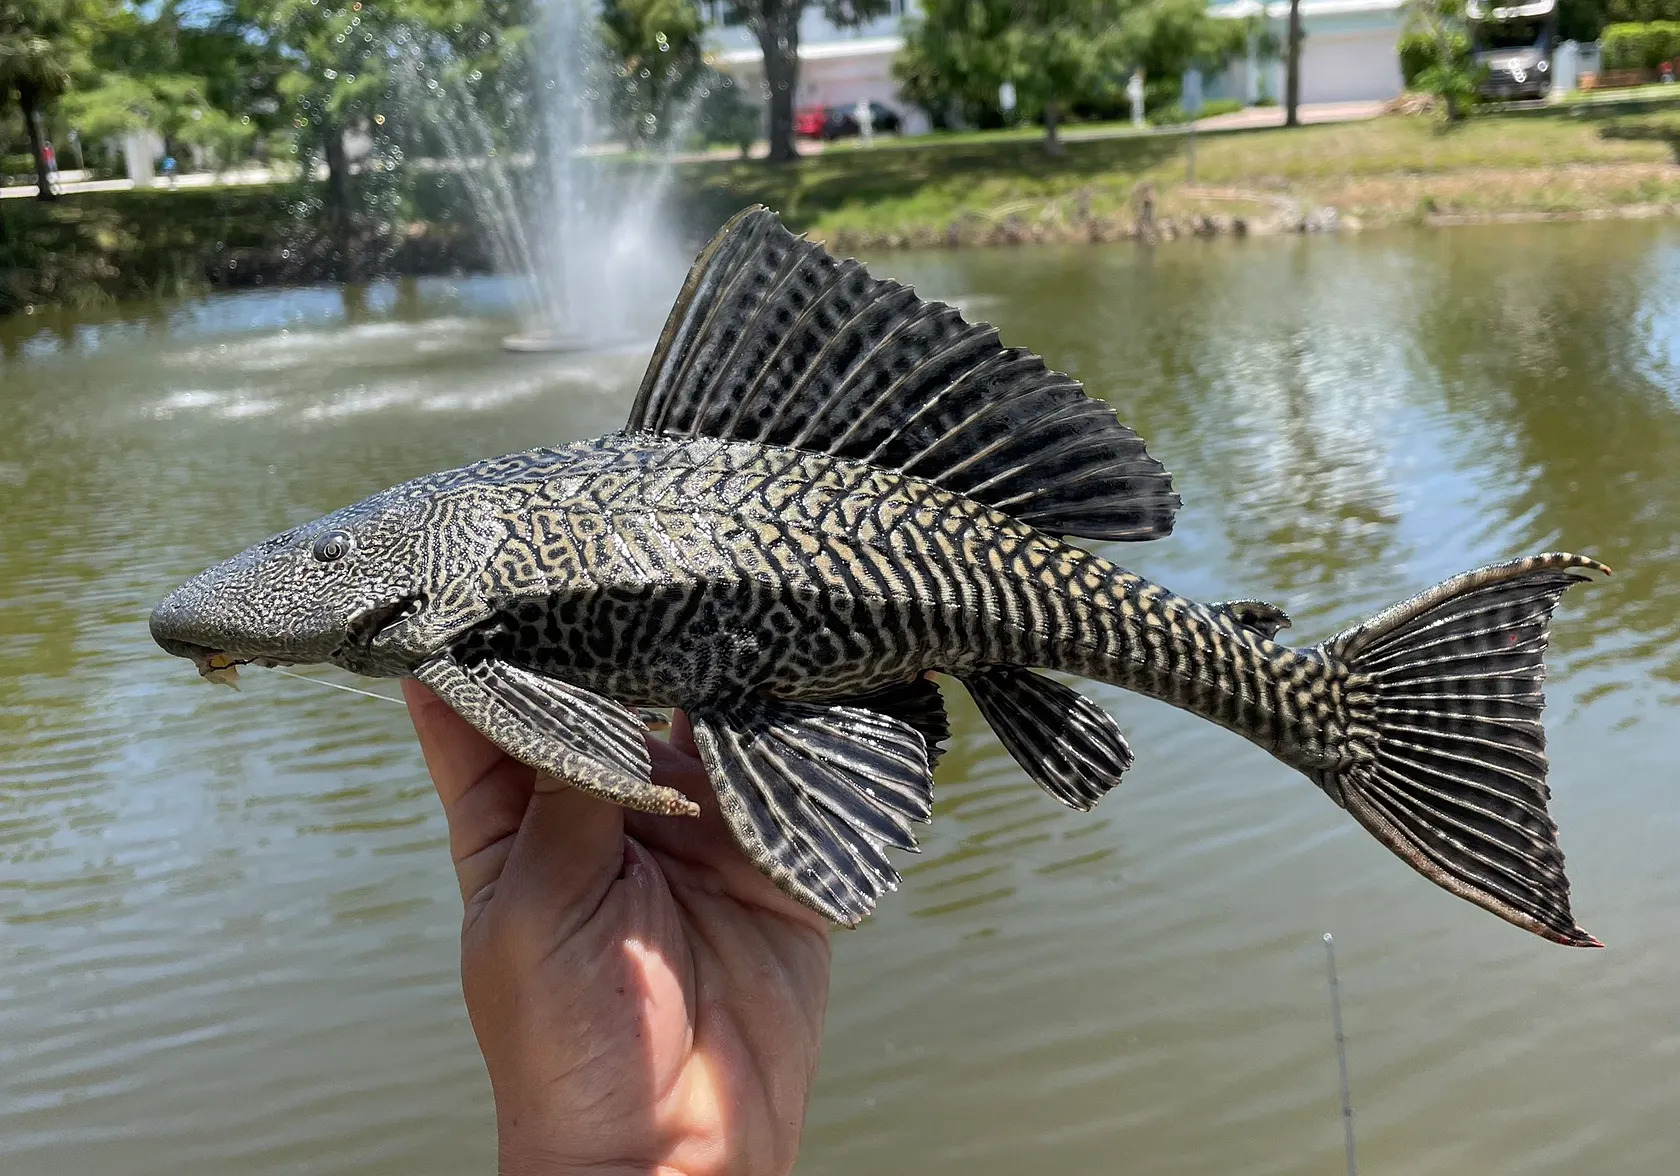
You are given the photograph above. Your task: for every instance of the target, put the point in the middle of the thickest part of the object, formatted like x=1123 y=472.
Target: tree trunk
x=1292 y=82
x=778 y=37
x=338 y=200
x=29 y=105
x=1052 y=127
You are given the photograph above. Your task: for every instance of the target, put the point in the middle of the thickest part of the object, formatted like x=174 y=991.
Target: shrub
x=1173 y=114
x=1641 y=11
x=1418 y=53
x=1641 y=46
x=727 y=114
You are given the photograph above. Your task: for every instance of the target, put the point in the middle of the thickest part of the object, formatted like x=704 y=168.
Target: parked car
x=841 y=121
x=808 y=121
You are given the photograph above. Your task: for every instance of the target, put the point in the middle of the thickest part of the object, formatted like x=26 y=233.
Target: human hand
x=646 y=1000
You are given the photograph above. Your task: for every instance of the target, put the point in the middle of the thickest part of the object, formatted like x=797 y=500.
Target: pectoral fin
x=815 y=793
x=575 y=735
x=1066 y=742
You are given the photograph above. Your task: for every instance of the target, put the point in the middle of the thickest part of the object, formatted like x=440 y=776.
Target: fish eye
x=334 y=545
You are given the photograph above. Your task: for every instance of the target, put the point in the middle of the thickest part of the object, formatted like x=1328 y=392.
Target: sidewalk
x=65 y=184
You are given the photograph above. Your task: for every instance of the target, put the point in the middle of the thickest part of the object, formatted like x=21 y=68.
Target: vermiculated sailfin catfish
x=829 y=487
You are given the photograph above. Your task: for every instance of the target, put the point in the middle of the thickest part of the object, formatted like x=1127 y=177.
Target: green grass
x=1657 y=93
x=1378 y=170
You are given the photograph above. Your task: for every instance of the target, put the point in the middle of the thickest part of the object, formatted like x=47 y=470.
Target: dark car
x=841 y=121
x=1515 y=73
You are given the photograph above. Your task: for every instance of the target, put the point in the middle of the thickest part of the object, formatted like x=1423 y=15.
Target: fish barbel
x=829 y=488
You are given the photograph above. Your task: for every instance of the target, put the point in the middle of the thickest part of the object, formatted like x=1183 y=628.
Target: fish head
x=375 y=588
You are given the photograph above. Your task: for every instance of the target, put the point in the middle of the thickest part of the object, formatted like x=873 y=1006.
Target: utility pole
x=1292 y=82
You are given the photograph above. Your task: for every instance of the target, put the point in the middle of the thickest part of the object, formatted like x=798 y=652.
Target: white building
x=1349 y=53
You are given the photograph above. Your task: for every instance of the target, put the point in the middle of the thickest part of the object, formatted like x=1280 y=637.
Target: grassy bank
x=1577 y=160
x=1385 y=171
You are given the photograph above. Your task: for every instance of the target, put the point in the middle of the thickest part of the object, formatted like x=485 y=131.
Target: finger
x=676 y=764
x=682 y=735
x=456 y=754
x=568 y=853
x=703 y=852
x=483 y=790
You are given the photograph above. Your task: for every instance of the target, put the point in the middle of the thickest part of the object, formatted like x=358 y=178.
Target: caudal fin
x=1443 y=698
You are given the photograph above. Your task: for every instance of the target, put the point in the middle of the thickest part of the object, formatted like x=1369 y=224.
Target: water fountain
x=599 y=265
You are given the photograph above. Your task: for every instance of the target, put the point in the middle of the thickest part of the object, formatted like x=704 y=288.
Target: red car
x=808 y=121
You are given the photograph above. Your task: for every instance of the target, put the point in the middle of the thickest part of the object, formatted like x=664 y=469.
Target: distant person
x=49 y=157
x=169 y=169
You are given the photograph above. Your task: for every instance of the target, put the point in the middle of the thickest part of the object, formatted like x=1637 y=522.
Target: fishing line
x=1341 y=1051
x=336 y=686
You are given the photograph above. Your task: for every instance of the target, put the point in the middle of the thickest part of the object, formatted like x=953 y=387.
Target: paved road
x=1272 y=116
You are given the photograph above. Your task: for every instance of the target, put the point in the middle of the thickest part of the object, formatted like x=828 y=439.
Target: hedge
x=1641 y=11
x=1641 y=46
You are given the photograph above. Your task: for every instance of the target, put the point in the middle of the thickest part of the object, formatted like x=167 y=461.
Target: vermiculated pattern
x=830 y=488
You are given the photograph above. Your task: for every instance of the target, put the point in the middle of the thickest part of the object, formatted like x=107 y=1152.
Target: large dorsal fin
x=773 y=340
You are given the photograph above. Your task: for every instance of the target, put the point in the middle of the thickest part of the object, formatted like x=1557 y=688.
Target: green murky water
x=227 y=923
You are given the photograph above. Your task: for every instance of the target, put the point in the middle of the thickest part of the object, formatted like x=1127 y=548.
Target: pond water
x=228 y=922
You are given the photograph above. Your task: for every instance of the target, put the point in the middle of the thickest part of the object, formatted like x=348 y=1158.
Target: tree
x=1292 y=81
x=1451 y=73
x=203 y=83
x=775 y=23
x=1167 y=37
x=656 y=49
x=36 y=52
x=1054 y=52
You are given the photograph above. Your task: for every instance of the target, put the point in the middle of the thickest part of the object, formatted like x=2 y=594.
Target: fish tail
x=1443 y=756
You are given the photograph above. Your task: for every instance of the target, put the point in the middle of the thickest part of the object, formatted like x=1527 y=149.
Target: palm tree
x=32 y=69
